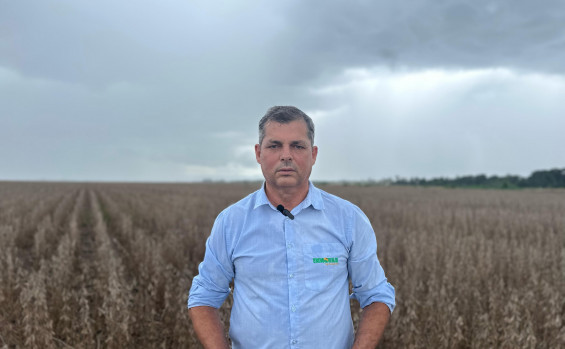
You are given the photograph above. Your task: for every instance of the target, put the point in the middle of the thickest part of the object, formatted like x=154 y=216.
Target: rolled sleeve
x=211 y=286
x=365 y=271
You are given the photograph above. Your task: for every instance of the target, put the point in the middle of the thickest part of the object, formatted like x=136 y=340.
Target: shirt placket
x=293 y=301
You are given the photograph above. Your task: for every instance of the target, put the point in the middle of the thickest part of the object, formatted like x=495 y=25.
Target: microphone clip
x=285 y=212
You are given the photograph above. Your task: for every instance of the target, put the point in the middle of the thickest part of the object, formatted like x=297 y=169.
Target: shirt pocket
x=323 y=264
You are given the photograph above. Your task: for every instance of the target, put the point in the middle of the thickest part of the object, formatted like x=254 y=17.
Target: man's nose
x=285 y=153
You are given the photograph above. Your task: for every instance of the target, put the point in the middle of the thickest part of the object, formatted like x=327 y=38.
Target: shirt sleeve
x=365 y=271
x=211 y=286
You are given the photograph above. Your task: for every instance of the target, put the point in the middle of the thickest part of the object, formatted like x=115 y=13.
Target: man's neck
x=288 y=197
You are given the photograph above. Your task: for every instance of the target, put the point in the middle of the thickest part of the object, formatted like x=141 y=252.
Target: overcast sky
x=173 y=90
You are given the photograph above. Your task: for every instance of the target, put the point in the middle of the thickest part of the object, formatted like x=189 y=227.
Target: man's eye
x=299 y=147
x=272 y=146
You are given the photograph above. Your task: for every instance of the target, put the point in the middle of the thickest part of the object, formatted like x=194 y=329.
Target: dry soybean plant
x=109 y=265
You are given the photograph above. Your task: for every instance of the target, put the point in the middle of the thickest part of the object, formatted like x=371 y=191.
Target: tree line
x=554 y=178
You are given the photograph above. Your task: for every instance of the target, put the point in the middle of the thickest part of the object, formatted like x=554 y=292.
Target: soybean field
x=109 y=265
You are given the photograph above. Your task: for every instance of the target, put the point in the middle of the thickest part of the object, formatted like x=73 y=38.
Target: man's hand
x=208 y=327
x=374 y=318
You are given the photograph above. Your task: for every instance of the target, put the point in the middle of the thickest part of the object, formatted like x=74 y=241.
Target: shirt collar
x=261 y=197
x=314 y=198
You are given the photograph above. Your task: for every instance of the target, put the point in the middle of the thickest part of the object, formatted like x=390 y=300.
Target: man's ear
x=258 y=153
x=314 y=154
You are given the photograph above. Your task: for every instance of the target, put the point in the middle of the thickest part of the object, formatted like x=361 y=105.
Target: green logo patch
x=325 y=260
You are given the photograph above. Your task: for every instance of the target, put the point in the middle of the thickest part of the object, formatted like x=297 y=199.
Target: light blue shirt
x=291 y=277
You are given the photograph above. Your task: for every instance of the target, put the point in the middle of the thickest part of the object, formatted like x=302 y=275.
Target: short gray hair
x=284 y=115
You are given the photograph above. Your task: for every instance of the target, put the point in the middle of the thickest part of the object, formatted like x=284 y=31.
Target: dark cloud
x=426 y=34
x=116 y=90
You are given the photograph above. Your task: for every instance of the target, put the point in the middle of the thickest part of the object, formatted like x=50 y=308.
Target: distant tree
x=554 y=178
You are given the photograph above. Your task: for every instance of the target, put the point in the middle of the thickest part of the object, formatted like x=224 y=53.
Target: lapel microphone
x=285 y=212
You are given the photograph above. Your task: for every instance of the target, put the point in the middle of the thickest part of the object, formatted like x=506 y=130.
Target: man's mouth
x=286 y=170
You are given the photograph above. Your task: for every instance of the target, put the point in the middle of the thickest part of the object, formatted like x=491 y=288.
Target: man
x=290 y=266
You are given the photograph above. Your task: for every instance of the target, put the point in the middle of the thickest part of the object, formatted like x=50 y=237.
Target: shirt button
x=288 y=245
x=294 y=341
x=291 y=276
x=293 y=308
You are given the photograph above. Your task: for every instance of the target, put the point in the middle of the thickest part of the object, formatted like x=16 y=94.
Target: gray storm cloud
x=522 y=35
x=116 y=91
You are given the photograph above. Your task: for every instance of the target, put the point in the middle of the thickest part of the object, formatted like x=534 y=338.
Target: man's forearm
x=374 y=318
x=208 y=327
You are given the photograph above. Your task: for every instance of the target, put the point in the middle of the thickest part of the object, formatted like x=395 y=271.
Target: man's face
x=286 y=155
